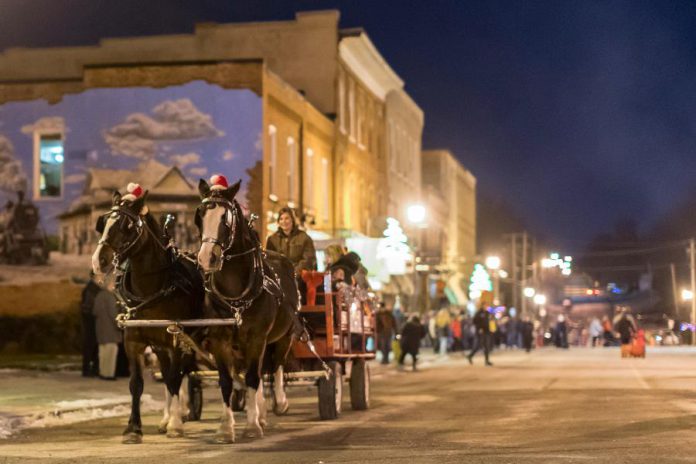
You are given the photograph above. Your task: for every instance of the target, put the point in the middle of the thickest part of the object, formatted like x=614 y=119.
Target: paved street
x=557 y=406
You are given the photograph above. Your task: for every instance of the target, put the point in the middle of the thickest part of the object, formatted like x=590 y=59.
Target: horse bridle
x=135 y=220
x=230 y=221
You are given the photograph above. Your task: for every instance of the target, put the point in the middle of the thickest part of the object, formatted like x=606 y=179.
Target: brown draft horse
x=260 y=289
x=155 y=285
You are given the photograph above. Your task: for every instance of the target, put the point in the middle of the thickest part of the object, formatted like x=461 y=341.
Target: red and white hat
x=218 y=182
x=134 y=190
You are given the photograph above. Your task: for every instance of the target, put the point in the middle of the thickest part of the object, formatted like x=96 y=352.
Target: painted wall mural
x=199 y=127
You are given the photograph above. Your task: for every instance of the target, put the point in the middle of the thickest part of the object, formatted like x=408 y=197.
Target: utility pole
x=692 y=253
x=515 y=285
x=674 y=289
x=523 y=281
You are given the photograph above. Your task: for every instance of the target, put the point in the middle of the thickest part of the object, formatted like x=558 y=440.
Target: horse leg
x=175 y=426
x=225 y=433
x=255 y=398
x=280 y=354
x=164 y=370
x=134 y=431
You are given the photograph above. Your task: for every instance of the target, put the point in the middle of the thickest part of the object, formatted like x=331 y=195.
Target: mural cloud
x=185 y=160
x=200 y=171
x=12 y=176
x=171 y=120
x=47 y=124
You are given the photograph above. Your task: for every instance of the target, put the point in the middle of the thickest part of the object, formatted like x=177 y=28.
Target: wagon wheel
x=195 y=392
x=330 y=392
x=360 y=385
x=238 y=400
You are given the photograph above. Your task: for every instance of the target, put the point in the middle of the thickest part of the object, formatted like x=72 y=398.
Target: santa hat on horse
x=218 y=182
x=134 y=190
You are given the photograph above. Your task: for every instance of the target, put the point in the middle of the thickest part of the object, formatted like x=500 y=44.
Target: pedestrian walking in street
x=386 y=329
x=443 y=321
x=90 y=349
x=108 y=333
x=595 y=331
x=411 y=335
x=561 y=332
x=482 y=323
x=432 y=330
x=626 y=327
x=527 y=332
x=607 y=328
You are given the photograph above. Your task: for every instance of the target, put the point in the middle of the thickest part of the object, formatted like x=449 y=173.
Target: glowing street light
x=493 y=262
x=687 y=295
x=540 y=299
x=529 y=292
x=416 y=214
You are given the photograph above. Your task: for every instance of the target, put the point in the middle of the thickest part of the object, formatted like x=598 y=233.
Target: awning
x=455 y=290
x=399 y=285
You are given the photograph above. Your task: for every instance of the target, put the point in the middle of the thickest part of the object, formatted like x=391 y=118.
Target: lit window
x=51 y=155
x=309 y=178
x=272 y=164
x=325 y=187
x=292 y=163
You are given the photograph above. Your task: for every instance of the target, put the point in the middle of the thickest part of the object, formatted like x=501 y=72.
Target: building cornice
x=361 y=57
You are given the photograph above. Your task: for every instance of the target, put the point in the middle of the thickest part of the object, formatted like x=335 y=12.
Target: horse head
x=217 y=218
x=121 y=229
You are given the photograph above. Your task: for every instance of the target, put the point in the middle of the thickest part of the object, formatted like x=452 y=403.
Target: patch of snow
x=71 y=412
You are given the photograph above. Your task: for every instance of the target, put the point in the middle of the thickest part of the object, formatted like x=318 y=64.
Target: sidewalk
x=31 y=398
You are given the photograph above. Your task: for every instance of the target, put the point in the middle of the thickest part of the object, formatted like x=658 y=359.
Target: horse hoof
x=224 y=438
x=162 y=429
x=132 y=438
x=175 y=433
x=263 y=423
x=253 y=432
x=281 y=409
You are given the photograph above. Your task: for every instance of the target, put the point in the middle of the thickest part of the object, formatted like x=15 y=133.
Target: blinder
x=228 y=224
x=132 y=220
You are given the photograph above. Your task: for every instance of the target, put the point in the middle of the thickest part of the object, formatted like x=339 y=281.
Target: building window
x=351 y=108
x=273 y=145
x=48 y=182
x=309 y=178
x=326 y=194
x=292 y=168
x=342 y=101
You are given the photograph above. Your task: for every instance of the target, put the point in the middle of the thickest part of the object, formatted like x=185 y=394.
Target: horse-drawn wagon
x=341 y=322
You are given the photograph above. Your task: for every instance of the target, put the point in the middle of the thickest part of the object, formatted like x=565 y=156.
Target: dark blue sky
x=578 y=113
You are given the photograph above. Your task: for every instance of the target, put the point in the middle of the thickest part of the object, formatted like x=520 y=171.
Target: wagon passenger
x=292 y=242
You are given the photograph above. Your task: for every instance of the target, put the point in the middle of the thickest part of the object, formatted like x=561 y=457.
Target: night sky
x=578 y=114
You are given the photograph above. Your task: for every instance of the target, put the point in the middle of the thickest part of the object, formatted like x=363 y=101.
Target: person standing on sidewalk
x=108 y=333
x=595 y=331
x=482 y=324
x=90 y=351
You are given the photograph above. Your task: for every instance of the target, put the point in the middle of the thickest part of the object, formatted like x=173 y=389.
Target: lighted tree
x=480 y=282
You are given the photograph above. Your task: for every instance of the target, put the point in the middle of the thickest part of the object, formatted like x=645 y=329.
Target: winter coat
x=411 y=336
x=442 y=323
x=105 y=312
x=595 y=328
x=386 y=324
x=625 y=329
x=482 y=321
x=89 y=293
x=298 y=247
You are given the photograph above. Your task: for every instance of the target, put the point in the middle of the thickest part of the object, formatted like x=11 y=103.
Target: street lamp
x=529 y=292
x=540 y=299
x=416 y=216
x=687 y=295
x=493 y=263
